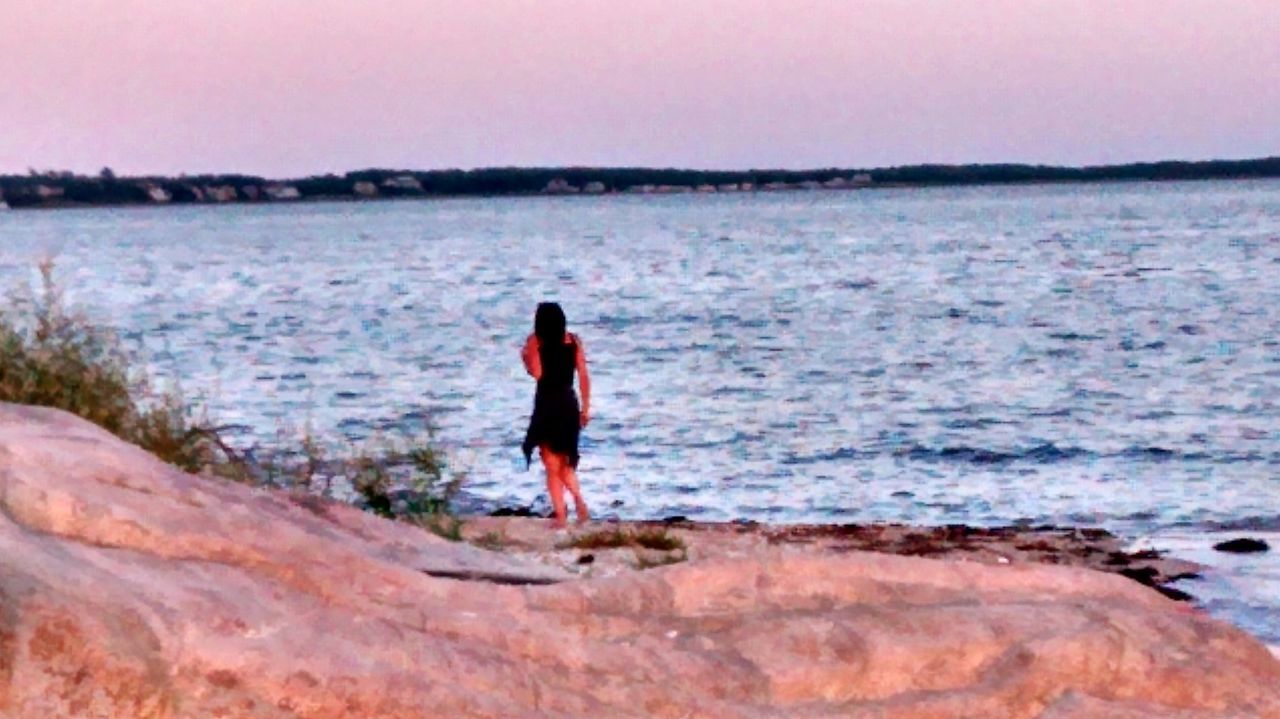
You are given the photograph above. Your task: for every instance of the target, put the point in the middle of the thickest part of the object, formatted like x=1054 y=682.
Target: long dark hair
x=549 y=324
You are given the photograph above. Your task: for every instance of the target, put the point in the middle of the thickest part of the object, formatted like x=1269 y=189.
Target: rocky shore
x=574 y=550
x=130 y=589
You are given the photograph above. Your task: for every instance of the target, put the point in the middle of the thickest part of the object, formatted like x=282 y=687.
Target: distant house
x=158 y=194
x=862 y=179
x=3 y=205
x=365 y=189
x=197 y=193
x=836 y=183
x=220 y=193
x=810 y=185
x=774 y=186
x=747 y=186
x=593 y=188
x=284 y=193
x=728 y=187
x=672 y=189
x=403 y=183
x=706 y=188
x=642 y=189
x=251 y=192
x=560 y=186
x=49 y=192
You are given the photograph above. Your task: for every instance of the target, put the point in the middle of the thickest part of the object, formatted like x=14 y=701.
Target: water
x=1103 y=354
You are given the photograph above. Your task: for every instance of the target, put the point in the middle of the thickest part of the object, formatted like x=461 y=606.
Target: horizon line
x=32 y=171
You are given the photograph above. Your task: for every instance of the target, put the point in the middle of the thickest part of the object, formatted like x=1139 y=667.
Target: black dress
x=555 y=422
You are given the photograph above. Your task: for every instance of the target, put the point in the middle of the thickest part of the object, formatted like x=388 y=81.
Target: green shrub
x=409 y=478
x=52 y=357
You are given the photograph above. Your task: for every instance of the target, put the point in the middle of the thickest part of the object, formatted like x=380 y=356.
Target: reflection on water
x=1102 y=354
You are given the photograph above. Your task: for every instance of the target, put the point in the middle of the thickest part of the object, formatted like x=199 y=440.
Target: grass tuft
x=649 y=562
x=493 y=541
x=657 y=539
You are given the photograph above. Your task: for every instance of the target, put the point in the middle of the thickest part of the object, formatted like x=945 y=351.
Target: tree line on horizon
x=53 y=188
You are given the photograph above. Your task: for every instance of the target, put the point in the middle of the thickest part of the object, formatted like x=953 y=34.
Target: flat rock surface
x=130 y=589
x=1097 y=549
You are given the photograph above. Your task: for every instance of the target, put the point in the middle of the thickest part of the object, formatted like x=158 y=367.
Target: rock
x=516 y=512
x=130 y=589
x=1243 y=545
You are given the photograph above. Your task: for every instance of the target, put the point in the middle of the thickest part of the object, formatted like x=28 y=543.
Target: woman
x=551 y=354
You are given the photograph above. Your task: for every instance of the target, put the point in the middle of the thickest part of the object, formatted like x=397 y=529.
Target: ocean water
x=1103 y=354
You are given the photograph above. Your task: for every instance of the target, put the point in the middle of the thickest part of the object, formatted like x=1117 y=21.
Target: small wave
x=1268 y=523
x=855 y=284
x=1039 y=454
x=1130 y=345
x=978 y=423
x=1049 y=453
x=1159 y=454
x=1073 y=337
x=844 y=453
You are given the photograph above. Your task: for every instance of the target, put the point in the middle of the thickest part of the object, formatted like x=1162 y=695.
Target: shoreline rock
x=131 y=589
x=1243 y=545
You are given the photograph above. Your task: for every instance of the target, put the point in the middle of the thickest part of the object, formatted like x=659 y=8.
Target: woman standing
x=551 y=355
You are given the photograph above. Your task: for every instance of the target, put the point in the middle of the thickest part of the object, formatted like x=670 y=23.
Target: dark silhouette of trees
x=54 y=188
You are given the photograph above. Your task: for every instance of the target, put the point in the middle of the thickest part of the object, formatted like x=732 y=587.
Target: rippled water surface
x=1101 y=354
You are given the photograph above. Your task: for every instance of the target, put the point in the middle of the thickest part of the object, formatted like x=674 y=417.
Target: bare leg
x=569 y=479
x=554 y=465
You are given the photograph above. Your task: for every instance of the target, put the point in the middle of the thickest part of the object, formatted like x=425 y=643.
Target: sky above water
x=291 y=87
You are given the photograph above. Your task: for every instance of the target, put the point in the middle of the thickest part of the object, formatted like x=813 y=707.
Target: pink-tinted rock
x=129 y=589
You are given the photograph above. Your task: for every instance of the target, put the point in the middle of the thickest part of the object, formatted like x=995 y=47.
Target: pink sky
x=288 y=87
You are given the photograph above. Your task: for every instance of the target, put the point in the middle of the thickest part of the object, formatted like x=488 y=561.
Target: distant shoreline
x=60 y=190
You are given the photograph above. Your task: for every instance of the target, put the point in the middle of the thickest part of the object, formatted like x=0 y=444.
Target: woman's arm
x=584 y=381
x=532 y=359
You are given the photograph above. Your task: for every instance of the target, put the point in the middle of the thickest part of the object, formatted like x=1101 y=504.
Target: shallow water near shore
x=1079 y=354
